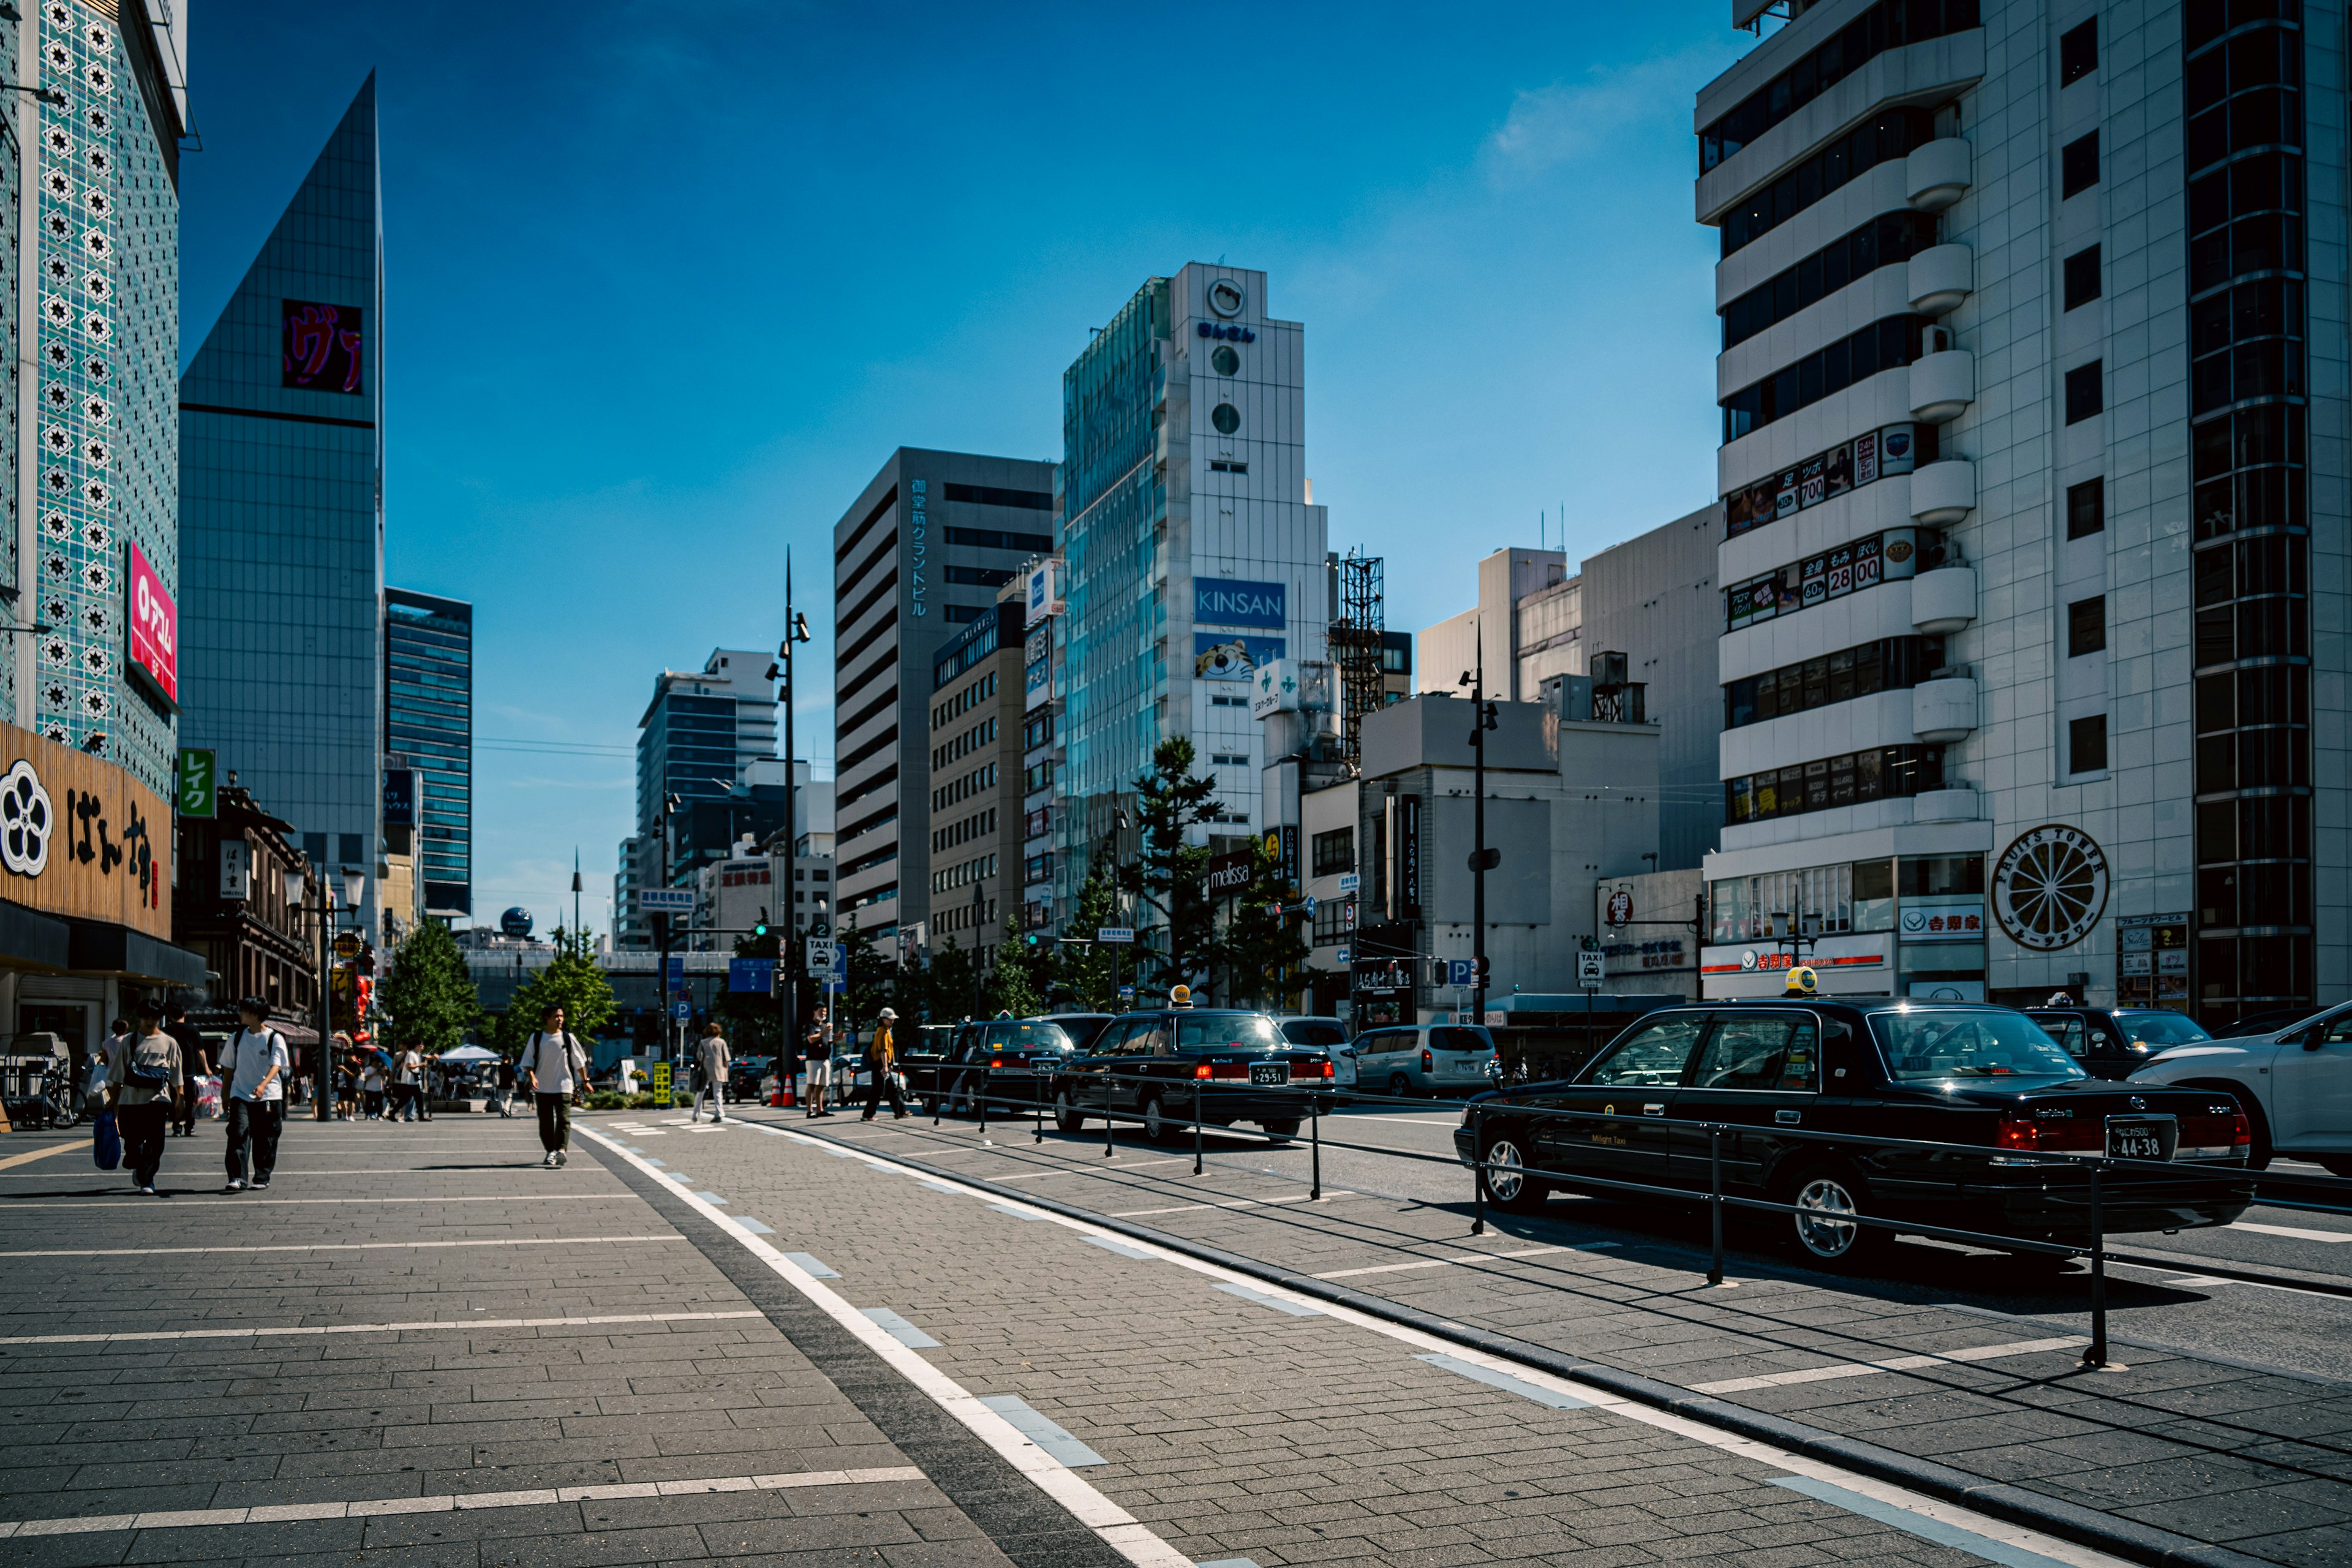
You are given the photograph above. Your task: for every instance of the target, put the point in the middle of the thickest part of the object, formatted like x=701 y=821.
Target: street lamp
x=670 y=808
x=796 y=630
x=297 y=882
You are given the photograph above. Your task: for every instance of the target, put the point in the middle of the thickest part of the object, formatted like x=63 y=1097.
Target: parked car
x=2116 y=1042
x=1082 y=1027
x=928 y=1057
x=2270 y=1022
x=2295 y=1085
x=1325 y=1034
x=1001 y=1060
x=1158 y=1065
x=1450 y=1059
x=1947 y=1073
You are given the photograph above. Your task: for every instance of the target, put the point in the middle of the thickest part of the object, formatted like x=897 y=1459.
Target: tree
x=429 y=994
x=947 y=986
x=573 y=982
x=1089 y=970
x=1167 y=873
x=1260 y=951
x=754 y=1020
x=872 y=978
x=1019 y=979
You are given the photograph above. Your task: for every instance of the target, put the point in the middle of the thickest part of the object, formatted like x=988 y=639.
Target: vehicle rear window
x=1306 y=1032
x=1459 y=1039
x=1031 y=1036
x=2158 y=1030
x=1652 y=1056
x=1232 y=1031
x=1770 y=1051
x=1923 y=1043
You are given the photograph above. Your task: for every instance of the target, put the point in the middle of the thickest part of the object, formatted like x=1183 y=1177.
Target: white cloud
x=1569 y=122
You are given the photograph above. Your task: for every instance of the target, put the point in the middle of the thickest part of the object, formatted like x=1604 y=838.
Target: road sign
x=1115 y=934
x=667 y=901
x=821 y=957
x=757 y=974
x=839 y=981
x=1587 y=968
x=197 y=782
x=1458 y=971
x=1127 y=993
x=1349 y=883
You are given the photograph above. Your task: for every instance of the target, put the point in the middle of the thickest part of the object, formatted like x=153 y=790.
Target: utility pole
x=787 y=916
x=661 y=933
x=575 y=894
x=1482 y=859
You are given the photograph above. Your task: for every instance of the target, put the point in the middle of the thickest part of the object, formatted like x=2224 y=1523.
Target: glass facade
x=281 y=513
x=429 y=721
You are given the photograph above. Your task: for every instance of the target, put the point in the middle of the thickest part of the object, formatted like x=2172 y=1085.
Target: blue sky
x=665 y=284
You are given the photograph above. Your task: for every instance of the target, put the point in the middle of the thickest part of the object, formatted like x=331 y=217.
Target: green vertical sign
x=196 y=797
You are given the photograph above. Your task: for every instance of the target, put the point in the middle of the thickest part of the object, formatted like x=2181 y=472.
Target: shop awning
x=101 y=949
x=30 y=940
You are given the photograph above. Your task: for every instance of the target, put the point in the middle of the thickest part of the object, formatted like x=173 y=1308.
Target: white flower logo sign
x=26 y=820
x=2050 y=886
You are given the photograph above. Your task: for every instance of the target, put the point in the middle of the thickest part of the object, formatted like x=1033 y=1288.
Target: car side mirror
x=2314 y=1039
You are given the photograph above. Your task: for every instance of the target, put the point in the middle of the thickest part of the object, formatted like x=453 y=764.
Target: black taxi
x=1763 y=1074
x=2116 y=1042
x=1155 y=1067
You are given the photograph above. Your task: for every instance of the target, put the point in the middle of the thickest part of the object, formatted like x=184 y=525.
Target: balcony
x=1957 y=804
x=1942 y=385
x=1943 y=600
x=1945 y=708
x=1937 y=174
x=1943 y=492
x=1941 y=277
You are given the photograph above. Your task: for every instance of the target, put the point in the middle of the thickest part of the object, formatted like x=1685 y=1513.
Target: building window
x=1882 y=345
x=2084 y=391
x=980 y=576
x=1225 y=417
x=1884 y=772
x=2078 y=52
x=1891 y=25
x=2082 y=277
x=1334 y=852
x=2086 y=509
x=1228 y=760
x=2078 y=166
x=989 y=495
x=1884 y=242
x=2087 y=744
x=993 y=538
x=1893 y=663
x=2087 y=626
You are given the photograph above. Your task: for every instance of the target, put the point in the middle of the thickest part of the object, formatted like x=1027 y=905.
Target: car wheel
x=1400 y=1086
x=1065 y=1115
x=1508 y=1184
x=1822 y=1235
x=1288 y=1129
x=1156 y=1128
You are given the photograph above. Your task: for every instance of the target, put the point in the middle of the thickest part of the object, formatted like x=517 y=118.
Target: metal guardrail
x=1313 y=1101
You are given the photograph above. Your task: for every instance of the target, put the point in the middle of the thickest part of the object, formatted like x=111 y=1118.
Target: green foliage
x=754 y=1020
x=1019 y=977
x=946 y=988
x=613 y=1100
x=1086 y=970
x=1166 y=875
x=572 y=981
x=874 y=982
x=429 y=996
x=1259 y=951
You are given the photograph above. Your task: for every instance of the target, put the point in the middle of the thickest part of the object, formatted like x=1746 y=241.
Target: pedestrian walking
x=408 y=1073
x=146 y=1079
x=505 y=1087
x=346 y=1070
x=255 y=1066
x=192 y=1062
x=818 y=1047
x=96 y=1076
x=711 y=1062
x=371 y=1088
x=882 y=1062
x=558 y=1070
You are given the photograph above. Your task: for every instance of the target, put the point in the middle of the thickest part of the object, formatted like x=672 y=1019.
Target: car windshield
x=1921 y=1044
x=1225 y=1032
x=1027 y=1037
x=2154 y=1031
x=1308 y=1032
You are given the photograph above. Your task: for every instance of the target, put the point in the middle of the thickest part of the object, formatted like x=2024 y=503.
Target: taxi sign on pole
x=1587 y=968
x=820 y=957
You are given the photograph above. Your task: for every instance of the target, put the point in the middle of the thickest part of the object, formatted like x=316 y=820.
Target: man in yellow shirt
x=882 y=1062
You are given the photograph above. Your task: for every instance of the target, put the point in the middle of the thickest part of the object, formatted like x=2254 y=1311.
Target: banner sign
x=400 y=798
x=198 y=784
x=753 y=974
x=1228 y=602
x=154 y=627
x=80 y=836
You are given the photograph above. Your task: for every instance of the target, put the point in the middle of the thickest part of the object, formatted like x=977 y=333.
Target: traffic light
x=1481 y=971
x=759 y=927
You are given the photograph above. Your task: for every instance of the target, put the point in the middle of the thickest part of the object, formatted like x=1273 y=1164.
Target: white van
x=1453 y=1060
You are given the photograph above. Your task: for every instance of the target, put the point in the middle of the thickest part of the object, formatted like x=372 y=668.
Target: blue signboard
x=1458 y=971
x=1229 y=656
x=400 y=798
x=753 y=974
x=1228 y=602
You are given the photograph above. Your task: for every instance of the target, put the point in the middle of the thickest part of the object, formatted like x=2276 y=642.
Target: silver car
x=1450 y=1059
x=1327 y=1035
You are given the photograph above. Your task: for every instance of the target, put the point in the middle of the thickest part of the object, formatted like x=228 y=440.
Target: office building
x=974 y=819
x=2033 y=471
x=429 y=730
x=1195 y=553
x=282 y=516
x=917 y=558
x=701 y=737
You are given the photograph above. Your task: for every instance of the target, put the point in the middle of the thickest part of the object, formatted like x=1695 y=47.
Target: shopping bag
x=106 y=1144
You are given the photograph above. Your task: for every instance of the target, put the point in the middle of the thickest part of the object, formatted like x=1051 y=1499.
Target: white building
x=2034 y=472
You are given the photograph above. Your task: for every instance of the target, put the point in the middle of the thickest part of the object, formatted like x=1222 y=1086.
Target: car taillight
x=2017 y=1133
x=1202 y=1070
x=2064 y=1134
x=1312 y=1069
x=1230 y=1070
x=1428 y=1062
x=996 y=1061
x=2242 y=1132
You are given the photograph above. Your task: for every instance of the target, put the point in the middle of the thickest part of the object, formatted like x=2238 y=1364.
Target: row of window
x=1038 y=731
x=979 y=824
x=1038 y=869
x=2253 y=698
x=980 y=734
x=991 y=495
x=998 y=539
x=1870 y=457
x=1884 y=773
x=1885 y=345
x=964 y=701
x=1332 y=853
x=1886 y=240
x=1889 y=664
x=963 y=875
x=1890 y=25
x=1897 y=553
x=964 y=788
x=2254 y=827
x=980 y=576
x=2277 y=758
x=1834 y=900
x=2246 y=342
x=1883 y=139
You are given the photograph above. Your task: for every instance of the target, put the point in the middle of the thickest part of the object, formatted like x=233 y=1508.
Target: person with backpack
x=505 y=1087
x=254 y=1065
x=882 y=1061
x=146 y=1080
x=557 y=1069
x=192 y=1063
x=710 y=1063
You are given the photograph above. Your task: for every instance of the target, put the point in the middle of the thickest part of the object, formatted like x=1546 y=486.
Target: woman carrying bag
x=882 y=1064
x=146 y=1080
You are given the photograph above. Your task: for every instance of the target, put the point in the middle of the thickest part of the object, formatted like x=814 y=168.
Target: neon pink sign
x=154 y=627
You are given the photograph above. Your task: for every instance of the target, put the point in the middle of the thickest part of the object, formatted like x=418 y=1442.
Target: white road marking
x=1223 y=1203
x=1958 y=1517
x=1434 y=1119
x=1507 y=1382
x=1913 y=1522
x=446 y=1502
x=1460 y=1257
x=2292 y=1233
x=368 y=1328
x=342 y=1247
x=1119 y=1529
x=1892 y=1363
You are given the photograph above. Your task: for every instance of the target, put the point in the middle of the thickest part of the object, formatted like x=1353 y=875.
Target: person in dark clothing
x=145 y=1082
x=192 y=1066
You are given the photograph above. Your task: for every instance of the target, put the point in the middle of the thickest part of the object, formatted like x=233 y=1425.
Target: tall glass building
x=428 y=708
x=700 y=734
x=90 y=477
x=281 y=515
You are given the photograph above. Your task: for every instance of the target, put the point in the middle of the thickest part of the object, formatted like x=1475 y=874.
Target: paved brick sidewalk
x=1240 y=1429
x=2224 y=1453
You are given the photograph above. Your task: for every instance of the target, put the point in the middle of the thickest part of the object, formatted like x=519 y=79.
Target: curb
x=2068 y=1521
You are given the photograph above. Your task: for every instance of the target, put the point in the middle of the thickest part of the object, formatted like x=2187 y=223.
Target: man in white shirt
x=558 y=1070
x=711 y=1060
x=254 y=1069
x=407 y=1069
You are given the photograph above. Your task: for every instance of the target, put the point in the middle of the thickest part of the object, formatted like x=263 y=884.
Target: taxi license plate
x=1278 y=1073
x=2133 y=1140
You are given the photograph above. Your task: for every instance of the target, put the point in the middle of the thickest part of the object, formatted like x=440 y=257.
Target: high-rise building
x=917 y=558
x=2033 y=467
x=281 y=515
x=1195 y=552
x=429 y=730
x=973 y=815
x=700 y=736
